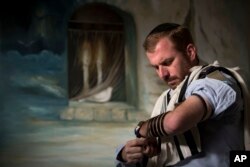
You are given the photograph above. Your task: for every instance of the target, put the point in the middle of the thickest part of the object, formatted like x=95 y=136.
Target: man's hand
x=152 y=148
x=135 y=149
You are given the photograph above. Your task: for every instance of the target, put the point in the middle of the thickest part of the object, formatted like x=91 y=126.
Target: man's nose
x=163 y=72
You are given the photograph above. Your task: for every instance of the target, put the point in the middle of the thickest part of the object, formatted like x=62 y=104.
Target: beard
x=173 y=81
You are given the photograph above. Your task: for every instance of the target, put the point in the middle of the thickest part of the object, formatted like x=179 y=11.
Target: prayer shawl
x=172 y=147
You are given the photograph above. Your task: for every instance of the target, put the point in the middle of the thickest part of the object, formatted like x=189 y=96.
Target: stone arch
x=104 y=33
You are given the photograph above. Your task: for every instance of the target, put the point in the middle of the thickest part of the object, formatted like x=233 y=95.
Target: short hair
x=178 y=34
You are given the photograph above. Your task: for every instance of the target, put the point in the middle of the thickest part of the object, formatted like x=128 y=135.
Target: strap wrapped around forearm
x=155 y=126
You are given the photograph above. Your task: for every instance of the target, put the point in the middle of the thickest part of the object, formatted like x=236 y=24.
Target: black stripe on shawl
x=191 y=142
x=177 y=144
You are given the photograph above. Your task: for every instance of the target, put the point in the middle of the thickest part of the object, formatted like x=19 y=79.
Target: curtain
x=96 y=62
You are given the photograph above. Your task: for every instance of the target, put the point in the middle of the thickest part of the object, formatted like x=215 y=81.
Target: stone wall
x=219 y=29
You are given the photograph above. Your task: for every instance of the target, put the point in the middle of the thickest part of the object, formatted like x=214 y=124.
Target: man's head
x=171 y=51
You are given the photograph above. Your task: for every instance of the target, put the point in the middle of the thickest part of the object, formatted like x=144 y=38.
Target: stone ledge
x=108 y=112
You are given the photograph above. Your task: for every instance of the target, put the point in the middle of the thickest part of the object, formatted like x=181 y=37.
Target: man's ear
x=191 y=52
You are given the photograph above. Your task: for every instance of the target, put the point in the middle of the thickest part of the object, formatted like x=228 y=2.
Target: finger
x=134 y=157
x=133 y=161
x=139 y=142
x=152 y=140
x=150 y=151
x=133 y=149
x=146 y=149
x=136 y=143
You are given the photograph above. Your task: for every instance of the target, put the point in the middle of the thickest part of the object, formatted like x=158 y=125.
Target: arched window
x=96 y=54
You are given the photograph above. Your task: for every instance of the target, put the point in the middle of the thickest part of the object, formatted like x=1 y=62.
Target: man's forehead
x=159 y=58
x=164 y=43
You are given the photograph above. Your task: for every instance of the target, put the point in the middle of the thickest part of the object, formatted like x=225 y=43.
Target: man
x=198 y=120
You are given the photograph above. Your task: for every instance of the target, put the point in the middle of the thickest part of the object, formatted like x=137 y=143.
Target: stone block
x=84 y=114
x=67 y=114
x=138 y=116
x=102 y=115
x=119 y=114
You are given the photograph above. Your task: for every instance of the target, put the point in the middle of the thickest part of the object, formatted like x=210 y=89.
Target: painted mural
x=38 y=127
x=34 y=93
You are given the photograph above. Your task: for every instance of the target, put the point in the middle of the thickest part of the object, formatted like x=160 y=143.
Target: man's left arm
x=183 y=117
x=205 y=98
